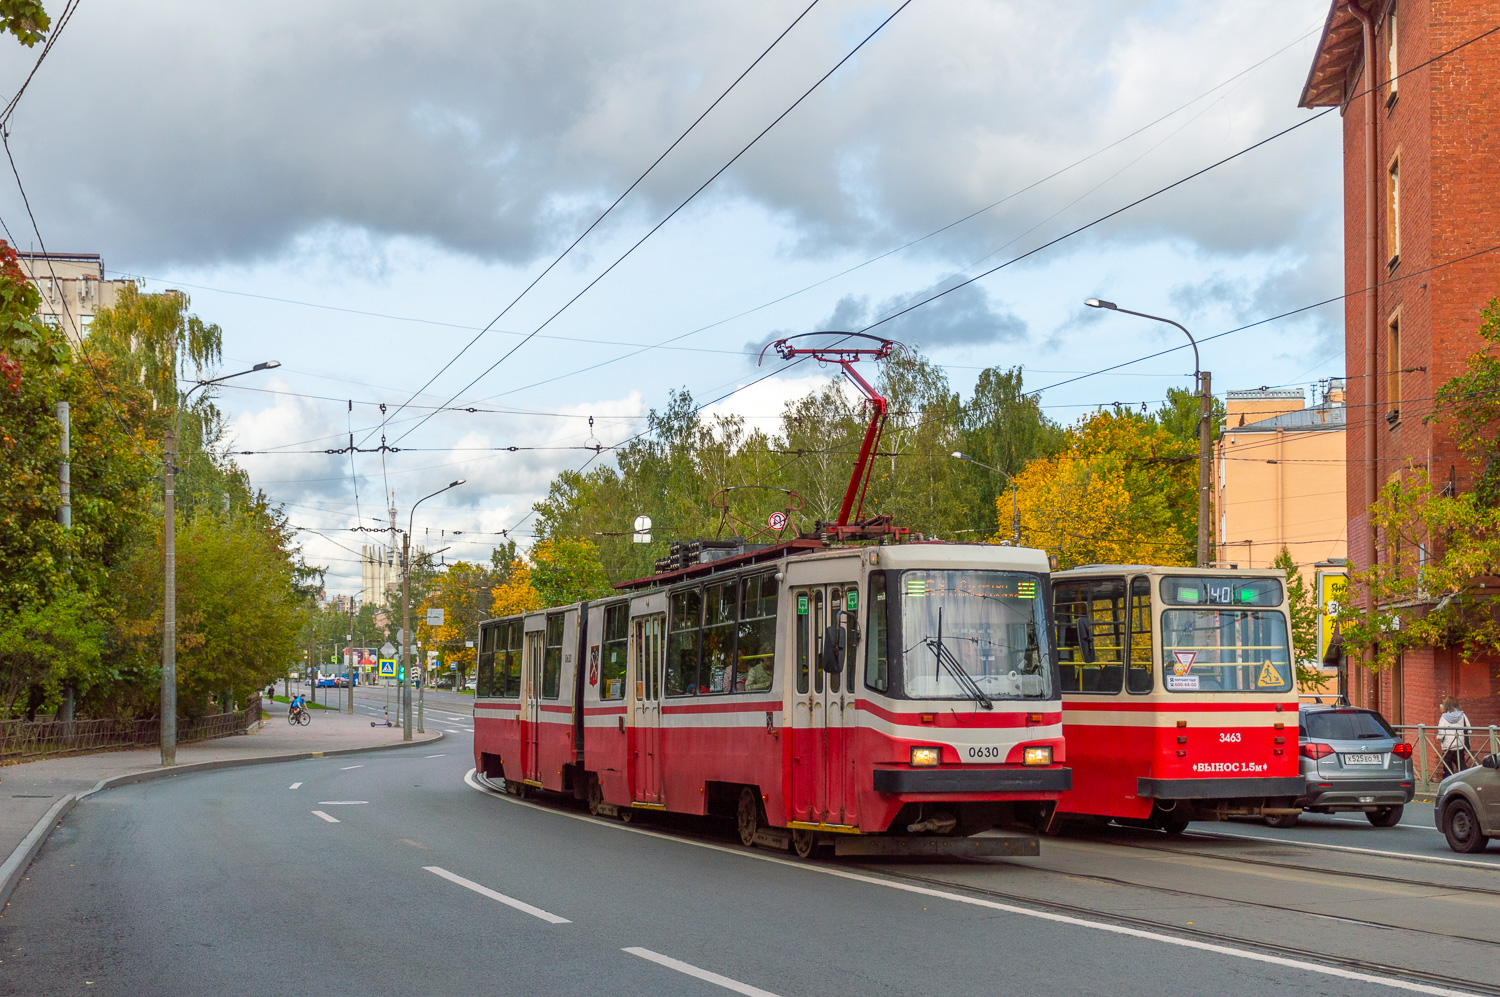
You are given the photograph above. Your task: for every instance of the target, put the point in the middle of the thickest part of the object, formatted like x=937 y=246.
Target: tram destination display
x=1196 y=590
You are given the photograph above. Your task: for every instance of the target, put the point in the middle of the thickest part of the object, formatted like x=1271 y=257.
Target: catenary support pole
x=1205 y=467
x=64 y=470
x=405 y=637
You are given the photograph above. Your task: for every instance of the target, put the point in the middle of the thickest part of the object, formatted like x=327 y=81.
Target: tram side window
x=800 y=622
x=484 y=675
x=1090 y=622
x=511 y=635
x=755 y=658
x=552 y=655
x=720 y=601
x=616 y=642
x=682 y=643
x=1142 y=643
x=877 y=675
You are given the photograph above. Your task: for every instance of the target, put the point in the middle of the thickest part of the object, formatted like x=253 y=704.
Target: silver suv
x=1351 y=759
x=1468 y=806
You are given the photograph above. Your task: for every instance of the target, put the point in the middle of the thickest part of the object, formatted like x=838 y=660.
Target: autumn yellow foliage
x=516 y=594
x=1121 y=491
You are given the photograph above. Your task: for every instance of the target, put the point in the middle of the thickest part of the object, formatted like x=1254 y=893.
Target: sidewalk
x=31 y=790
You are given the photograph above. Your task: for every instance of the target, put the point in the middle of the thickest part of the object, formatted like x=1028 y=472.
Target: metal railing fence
x=25 y=740
x=1431 y=761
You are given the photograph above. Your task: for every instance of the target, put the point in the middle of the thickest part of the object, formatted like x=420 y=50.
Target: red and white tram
x=874 y=698
x=1179 y=693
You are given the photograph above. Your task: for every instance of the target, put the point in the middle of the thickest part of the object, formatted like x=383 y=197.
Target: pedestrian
x=1453 y=735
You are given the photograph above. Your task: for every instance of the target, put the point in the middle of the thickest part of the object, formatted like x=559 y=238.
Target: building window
x=52 y=321
x=1390 y=55
x=1393 y=370
x=1393 y=211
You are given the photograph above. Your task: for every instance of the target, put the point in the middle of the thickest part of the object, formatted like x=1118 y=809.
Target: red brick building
x=1421 y=197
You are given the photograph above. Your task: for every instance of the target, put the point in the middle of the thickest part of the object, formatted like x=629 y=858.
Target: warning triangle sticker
x=1185 y=661
x=1269 y=676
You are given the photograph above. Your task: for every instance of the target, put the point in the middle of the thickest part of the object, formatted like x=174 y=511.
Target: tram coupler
x=990 y=845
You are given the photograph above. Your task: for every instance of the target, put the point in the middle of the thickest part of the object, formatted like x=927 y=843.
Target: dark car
x=1351 y=759
x=1468 y=806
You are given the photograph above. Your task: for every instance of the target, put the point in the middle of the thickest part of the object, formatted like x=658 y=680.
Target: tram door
x=648 y=653
x=531 y=709
x=823 y=713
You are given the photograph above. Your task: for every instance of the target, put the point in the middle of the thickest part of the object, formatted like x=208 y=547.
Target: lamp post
x=1201 y=378
x=406 y=640
x=169 y=556
x=1015 y=514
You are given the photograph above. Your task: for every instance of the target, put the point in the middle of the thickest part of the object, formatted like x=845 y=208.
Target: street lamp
x=1205 y=422
x=169 y=537
x=406 y=641
x=1015 y=515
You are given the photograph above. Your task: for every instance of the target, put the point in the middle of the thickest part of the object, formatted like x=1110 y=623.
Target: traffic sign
x=776 y=521
x=387 y=669
x=435 y=617
x=387 y=650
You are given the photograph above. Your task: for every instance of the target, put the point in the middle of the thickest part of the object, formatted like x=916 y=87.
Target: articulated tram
x=1179 y=698
x=860 y=699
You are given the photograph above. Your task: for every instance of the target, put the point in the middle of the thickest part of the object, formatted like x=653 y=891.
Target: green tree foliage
x=685 y=463
x=463 y=591
x=27 y=20
x=1303 y=603
x=1433 y=584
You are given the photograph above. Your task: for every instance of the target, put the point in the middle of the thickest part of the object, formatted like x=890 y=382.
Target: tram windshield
x=1225 y=650
x=959 y=634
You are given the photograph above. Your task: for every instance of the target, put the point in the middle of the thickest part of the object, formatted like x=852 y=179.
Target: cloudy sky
x=356 y=192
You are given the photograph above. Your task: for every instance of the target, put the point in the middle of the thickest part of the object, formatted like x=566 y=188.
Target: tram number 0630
x=987 y=751
x=1229 y=738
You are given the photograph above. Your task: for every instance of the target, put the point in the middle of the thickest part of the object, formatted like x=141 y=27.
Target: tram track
x=1196 y=934
x=1449 y=984
x=1297 y=866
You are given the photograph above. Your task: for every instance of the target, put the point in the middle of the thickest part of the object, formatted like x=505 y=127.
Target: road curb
x=15 y=865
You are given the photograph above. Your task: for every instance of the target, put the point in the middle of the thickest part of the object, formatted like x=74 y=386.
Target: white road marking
x=485 y=891
x=1348 y=848
x=689 y=969
x=342 y=803
x=348 y=767
x=1116 y=929
x=442 y=754
x=328 y=817
x=294 y=785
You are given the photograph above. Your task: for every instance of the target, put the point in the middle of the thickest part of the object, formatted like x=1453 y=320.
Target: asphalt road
x=392 y=873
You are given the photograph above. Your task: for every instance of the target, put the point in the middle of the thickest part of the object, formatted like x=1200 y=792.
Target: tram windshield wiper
x=947 y=659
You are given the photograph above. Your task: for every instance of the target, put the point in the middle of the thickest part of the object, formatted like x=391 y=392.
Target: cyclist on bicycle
x=297 y=703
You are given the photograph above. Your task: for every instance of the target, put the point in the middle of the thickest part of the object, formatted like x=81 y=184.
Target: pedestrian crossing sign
x=1269 y=676
x=387 y=669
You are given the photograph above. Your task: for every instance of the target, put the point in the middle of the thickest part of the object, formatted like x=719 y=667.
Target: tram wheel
x=804 y=843
x=595 y=795
x=1174 y=825
x=747 y=816
x=1282 y=820
x=626 y=815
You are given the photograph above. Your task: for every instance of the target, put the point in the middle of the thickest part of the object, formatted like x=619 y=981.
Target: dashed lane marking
x=348 y=767
x=294 y=785
x=1043 y=915
x=328 y=817
x=441 y=754
x=342 y=803
x=485 y=891
x=688 y=969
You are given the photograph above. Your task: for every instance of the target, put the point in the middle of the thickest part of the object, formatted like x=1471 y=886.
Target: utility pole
x=405 y=635
x=65 y=518
x=349 y=655
x=1205 y=466
x=169 y=594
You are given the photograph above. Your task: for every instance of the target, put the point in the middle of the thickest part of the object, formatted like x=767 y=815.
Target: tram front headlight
x=1040 y=754
x=926 y=755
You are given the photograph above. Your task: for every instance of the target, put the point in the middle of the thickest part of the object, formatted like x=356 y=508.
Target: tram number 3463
x=990 y=751
x=1228 y=738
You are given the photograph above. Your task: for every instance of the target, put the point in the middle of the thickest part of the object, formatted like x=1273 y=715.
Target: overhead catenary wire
x=683 y=204
x=605 y=213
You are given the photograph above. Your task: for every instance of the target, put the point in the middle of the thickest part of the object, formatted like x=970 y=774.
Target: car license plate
x=1364 y=759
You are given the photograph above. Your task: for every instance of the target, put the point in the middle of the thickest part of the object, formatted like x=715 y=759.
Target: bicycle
x=300 y=716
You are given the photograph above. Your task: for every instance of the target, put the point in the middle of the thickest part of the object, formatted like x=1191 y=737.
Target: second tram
x=864 y=699
x=1179 y=693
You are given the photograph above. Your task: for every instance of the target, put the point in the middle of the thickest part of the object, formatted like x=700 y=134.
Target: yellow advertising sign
x=1332 y=587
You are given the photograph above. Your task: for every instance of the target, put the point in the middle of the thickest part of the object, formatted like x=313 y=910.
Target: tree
x=567 y=569
x=515 y=595
x=1122 y=490
x=463 y=592
x=1469 y=406
x=26 y=19
x=1303 y=604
